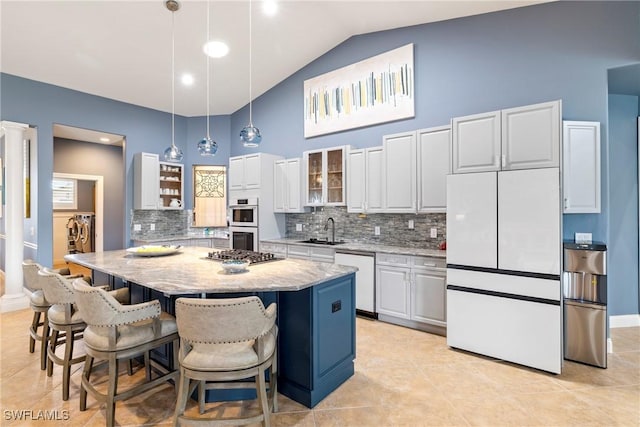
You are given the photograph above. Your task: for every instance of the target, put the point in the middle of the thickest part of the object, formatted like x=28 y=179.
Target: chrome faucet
x=333 y=229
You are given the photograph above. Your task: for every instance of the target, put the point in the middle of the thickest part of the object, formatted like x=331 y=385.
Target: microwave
x=243 y=212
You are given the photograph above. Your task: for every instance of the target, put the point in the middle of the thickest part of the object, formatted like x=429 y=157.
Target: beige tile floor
x=403 y=378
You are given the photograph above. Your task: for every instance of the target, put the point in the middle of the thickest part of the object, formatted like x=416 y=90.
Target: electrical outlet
x=298 y=227
x=411 y=224
x=376 y=231
x=152 y=227
x=137 y=227
x=434 y=232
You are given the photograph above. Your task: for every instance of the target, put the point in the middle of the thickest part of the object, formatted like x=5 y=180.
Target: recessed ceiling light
x=187 y=79
x=104 y=139
x=216 y=49
x=270 y=7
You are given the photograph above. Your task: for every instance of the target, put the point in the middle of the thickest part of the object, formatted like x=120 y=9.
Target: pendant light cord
x=173 y=78
x=250 y=68
x=207 y=40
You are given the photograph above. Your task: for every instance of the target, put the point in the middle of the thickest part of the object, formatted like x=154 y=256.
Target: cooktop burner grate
x=241 y=254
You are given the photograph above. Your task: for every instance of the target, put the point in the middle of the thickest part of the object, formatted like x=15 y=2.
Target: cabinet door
x=293 y=180
x=146 y=174
x=334 y=178
x=236 y=173
x=279 y=185
x=428 y=298
x=400 y=172
x=392 y=291
x=374 y=200
x=252 y=165
x=581 y=171
x=314 y=164
x=476 y=142
x=356 y=184
x=434 y=164
x=531 y=136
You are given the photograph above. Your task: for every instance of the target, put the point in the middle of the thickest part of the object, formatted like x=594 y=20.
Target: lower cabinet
x=411 y=291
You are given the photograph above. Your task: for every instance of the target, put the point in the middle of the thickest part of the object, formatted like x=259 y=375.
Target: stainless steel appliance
x=365 y=279
x=244 y=212
x=81 y=233
x=243 y=225
x=240 y=254
x=585 y=303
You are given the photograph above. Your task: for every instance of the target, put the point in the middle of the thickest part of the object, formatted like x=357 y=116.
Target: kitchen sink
x=320 y=242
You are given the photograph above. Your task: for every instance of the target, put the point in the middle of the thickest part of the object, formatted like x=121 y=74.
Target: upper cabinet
x=157 y=185
x=399 y=185
x=364 y=180
x=476 y=143
x=244 y=172
x=324 y=177
x=581 y=167
x=287 y=187
x=531 y=136
x=517 y=138
x=434 y=164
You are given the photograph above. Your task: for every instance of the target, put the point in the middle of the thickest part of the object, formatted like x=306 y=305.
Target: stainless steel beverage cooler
x=585 y=303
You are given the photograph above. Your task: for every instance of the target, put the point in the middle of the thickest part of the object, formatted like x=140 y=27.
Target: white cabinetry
x=516 y=138
x=245 y=171
x=365 y=180
x=157 y=184
x=411 y=291
x=581 y=167
x=287 y=188
x=365 y=277
x=531 y=136
x=324 y=182
x=399 y=185
x=311 y=253
x=476 y=142
x=434 y=164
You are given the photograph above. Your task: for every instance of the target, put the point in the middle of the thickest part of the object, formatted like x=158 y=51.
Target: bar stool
x=120 y=332
x=222 y=341
x=40 y=307
x=65 y=322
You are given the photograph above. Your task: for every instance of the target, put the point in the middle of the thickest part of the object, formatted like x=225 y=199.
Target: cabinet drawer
x=297 y=251
x=322 y=253
x=392 y=259
x=276 y=248
x=428 y=262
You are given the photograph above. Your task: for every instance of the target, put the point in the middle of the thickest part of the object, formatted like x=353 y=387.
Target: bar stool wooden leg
x=34 y=331
x=51 y=349
x=112 y=390
x=45 y=341
x=66 y=366
x=86 y=373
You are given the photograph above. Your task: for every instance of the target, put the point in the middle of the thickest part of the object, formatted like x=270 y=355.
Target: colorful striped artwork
x=376 y=90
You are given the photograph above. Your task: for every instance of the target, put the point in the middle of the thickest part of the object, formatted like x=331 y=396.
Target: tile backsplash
x=394 y=228
x=168 y=223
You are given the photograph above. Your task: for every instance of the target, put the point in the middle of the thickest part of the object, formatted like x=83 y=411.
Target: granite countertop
x=367 y=247
x=191 y=272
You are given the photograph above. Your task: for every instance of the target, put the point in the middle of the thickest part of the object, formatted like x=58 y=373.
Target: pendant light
x=173 y=153
x=250 y=135
x=207 y=146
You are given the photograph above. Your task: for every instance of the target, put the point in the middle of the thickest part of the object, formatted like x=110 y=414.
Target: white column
x=14 y=297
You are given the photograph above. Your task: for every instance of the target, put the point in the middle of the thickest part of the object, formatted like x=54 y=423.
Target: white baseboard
x=609 y=345
x=624 y=321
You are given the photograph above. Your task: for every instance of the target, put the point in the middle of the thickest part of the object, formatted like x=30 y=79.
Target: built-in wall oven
x=243 y=224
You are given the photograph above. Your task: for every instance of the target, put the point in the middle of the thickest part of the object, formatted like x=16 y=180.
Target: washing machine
x=85 y=238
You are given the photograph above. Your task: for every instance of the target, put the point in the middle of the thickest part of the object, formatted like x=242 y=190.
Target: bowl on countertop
x=235 y=265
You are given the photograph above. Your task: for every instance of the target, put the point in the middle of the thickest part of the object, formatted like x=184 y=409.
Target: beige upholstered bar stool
x=225 y=340
x=65 y=322
x=40 y=307
x=120 y=332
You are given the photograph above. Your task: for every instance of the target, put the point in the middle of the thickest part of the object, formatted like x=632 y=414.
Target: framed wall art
x=376 y=90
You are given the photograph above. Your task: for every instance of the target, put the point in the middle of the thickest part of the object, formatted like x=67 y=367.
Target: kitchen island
x=316 y=307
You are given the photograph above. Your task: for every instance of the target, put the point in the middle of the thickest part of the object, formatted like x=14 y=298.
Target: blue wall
x=623 y=202
x=559 y=50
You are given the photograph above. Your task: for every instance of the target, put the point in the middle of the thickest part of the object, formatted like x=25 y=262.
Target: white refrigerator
x=503 y=265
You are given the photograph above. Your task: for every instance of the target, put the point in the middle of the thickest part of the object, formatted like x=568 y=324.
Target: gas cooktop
x=241 y=254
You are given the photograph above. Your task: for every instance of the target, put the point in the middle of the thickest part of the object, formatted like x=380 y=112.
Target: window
x=209 y=196
x=65 y=193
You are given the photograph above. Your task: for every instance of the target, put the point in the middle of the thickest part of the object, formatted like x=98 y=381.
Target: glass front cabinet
x=325 y=178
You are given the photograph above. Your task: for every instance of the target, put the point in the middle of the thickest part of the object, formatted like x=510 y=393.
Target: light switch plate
x=376 y=231
x=298 y=227
x=434 y=232
x=152 y=227
x=137 y=227
x=411 y=224
x=583 y=238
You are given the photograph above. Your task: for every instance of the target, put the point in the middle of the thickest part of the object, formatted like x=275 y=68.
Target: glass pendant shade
x=173 y=154
x=250 y=136
x=207 y=147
